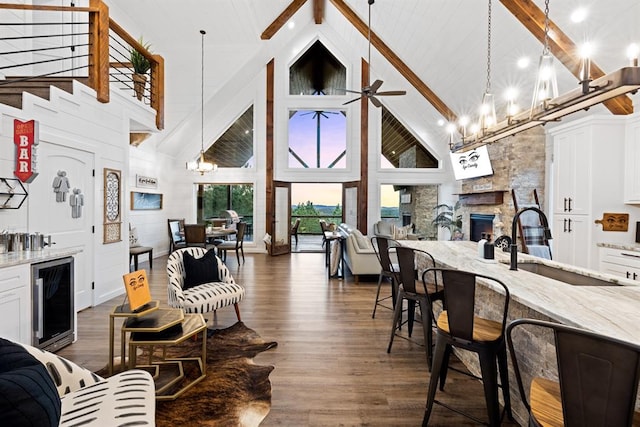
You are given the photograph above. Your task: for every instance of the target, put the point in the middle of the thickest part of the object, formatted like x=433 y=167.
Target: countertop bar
x=624 y=247
x=609 y=310
x=10 y=259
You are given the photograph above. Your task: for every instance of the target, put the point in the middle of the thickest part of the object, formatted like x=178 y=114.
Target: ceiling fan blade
x=376 y=85
x=350 y=91
x=392 y=92
x=375 y=101
x=353 y=100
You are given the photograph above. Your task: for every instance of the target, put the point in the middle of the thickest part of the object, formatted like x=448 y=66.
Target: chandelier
x=201 y=165
x=547 y=105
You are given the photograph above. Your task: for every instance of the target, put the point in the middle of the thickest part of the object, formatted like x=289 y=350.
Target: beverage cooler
x=53 y=305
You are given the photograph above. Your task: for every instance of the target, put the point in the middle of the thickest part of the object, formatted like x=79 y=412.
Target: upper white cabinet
x=632 y=162
x=587 y=181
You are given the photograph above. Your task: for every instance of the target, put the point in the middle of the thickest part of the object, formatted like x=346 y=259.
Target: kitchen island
x=612 y=310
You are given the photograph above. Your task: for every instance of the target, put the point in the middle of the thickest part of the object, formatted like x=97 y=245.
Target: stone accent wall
x=424 y=199
x=518 y=163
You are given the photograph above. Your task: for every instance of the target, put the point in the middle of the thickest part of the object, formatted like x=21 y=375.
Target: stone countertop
x=609 y=310
x=624 y=247
x=10 y=259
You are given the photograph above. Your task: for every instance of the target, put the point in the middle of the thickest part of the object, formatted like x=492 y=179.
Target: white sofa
x=358 y=252
x=90 y=400
x=391 y=231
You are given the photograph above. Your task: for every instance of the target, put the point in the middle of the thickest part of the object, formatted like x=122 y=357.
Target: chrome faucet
x=514 y=242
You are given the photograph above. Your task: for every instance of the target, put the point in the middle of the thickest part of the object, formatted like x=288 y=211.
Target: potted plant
x=141 y=66
x=448 y=217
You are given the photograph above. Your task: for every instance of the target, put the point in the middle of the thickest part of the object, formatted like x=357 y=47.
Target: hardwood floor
x=331 y=364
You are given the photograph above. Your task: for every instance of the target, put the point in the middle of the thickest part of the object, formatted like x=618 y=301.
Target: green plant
x=140 y=63
x=448 y=217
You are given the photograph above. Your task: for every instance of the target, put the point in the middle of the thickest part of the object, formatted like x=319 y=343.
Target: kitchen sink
x=565 y=276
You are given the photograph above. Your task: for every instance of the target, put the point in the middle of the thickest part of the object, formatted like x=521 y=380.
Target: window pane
x=234 y=148
x=213 y=200
x=317 y=139
x=400 y=149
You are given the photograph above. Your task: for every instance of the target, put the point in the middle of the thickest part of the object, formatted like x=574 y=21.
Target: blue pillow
x=200 y=270
x=28 y=396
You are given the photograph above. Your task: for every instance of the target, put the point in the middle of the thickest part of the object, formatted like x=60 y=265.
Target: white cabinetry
x=632 y=162
x=620 y=262
x=15 y=303
x=587 y=173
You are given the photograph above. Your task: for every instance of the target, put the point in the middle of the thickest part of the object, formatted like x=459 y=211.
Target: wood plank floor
x=331 y=364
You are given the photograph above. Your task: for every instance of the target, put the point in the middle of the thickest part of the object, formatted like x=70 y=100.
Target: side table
x=169 y=373
x=122 y=311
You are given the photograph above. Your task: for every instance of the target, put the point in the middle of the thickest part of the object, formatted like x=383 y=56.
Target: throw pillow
x=361 y=241
x=200 y=270
x=28 y=396
x=133 y=238
x=400 y=233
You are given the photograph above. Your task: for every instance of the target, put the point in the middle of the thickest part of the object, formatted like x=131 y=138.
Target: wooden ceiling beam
x=562 y=47
x=399 y=65
x=282 y=19
x=318 y=11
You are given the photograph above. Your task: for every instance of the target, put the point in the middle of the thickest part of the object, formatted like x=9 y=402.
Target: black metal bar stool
x=381 y=247
x=459 y=326
x=598 y=377
x=425 y=294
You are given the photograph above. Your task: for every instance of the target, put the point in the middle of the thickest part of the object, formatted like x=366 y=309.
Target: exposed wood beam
x=318 y=11
x=282 y=19
x=363 y=186
x=562 y=47
x=399 y=65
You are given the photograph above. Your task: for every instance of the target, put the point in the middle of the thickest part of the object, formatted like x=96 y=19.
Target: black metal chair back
x=598 y=375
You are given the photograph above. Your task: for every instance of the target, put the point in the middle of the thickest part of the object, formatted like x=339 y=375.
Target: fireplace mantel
x=484 y=198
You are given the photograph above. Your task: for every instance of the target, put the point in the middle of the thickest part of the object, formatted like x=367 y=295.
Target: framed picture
x=112 y=211
x=145 y=201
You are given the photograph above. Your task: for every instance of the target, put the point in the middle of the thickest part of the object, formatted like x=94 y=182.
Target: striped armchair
x=206 y=297
x=90 y=400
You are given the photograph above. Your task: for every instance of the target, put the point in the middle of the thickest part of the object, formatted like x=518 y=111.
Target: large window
x=214 y=199
x=234 y=148
x=317 y=139
x=400 y=149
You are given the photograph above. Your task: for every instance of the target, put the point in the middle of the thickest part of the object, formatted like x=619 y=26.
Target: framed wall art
x=145 y=201
x=112 y=211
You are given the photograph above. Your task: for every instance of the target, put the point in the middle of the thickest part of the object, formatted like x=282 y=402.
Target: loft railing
x=83 y=43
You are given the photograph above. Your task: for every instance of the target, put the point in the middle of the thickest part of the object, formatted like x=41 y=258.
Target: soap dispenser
x=481 y=244
x=489 y=248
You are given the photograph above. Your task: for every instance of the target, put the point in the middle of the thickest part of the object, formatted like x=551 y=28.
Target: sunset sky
x=331 y=194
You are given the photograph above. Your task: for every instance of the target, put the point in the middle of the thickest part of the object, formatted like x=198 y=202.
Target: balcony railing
x=54 y=44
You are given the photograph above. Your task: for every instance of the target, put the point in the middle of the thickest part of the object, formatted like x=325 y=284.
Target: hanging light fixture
x=201 y=165
x=488 y=106
x=548 y=106
x=546 y=81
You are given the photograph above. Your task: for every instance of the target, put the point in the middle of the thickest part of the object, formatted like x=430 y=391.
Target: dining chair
x=195 y=235
x=460 y=326
x=294 y=230
x=598 y=376
x=236 y=244
x=176 y=234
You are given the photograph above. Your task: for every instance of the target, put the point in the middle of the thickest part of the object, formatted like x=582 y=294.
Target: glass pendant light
x=488 y=106
x=546 y=82
x=201 y=165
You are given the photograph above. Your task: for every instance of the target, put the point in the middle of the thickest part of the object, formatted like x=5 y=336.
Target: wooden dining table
x=213 y=232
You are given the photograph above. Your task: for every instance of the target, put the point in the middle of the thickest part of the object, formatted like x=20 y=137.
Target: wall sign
x=112 y=212
x=25 y=137
x=146 y=181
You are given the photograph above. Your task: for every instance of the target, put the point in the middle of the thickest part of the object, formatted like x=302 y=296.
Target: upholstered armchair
x=204 y=285
x=74 y=394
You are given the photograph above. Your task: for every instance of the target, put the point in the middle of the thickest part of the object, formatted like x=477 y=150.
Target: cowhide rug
x=235 y=392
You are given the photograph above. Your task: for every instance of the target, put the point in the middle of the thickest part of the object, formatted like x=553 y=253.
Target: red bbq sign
x=25 y=136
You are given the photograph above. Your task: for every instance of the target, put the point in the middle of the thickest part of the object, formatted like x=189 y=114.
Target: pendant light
x=546 y=87
x=488 y=106
x=201 y=165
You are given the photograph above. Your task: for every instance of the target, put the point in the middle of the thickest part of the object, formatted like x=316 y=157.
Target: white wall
x=79 y=121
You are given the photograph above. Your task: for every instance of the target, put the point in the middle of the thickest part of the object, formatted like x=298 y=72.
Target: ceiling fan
x=371 y=91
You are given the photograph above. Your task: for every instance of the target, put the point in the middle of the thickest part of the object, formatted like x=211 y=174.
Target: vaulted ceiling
x=443 y=44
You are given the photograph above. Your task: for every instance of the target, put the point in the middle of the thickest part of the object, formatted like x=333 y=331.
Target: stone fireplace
x=518 y=164
x=480 y=224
